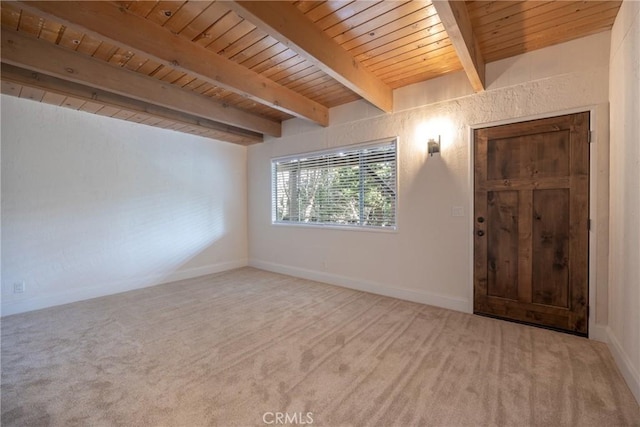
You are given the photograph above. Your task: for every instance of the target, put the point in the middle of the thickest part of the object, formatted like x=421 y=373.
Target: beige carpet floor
x=238 y=347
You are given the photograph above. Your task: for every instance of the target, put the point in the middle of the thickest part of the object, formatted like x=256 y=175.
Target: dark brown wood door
x=531 y=222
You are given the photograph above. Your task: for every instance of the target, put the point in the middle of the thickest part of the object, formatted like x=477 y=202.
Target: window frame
x=393 y=140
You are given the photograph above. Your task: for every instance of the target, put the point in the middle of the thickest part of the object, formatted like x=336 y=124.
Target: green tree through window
x=353 y=186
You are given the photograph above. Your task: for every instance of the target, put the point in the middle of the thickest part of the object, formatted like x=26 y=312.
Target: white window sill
x=337 y=227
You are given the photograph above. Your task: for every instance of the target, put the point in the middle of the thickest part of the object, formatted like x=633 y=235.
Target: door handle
x=480 y=219
x=480 y=233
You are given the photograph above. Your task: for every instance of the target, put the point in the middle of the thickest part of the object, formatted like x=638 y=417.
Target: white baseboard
x=599 y=333
x=623 y=361
x=79 y=294
x=423 y=297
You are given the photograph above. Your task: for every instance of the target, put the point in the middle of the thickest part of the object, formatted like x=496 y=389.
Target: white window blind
x=353 y=186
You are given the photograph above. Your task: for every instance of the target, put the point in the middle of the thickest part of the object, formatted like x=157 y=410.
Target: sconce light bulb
x=433 y=146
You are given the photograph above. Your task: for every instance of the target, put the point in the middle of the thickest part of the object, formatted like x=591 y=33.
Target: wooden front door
x=531 y=222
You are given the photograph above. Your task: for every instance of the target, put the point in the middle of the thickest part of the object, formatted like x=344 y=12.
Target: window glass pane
x=351 y=187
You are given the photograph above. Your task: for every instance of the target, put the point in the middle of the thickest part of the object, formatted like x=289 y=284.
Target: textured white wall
x=429 y=258
x=624 y=270
x=93 y=205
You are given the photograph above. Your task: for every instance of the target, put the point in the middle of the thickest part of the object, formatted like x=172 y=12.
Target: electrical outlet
x=19 y=287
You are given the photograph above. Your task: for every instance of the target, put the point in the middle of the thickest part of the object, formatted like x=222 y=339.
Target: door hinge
x=589 y=224
x=590 y=137
x=588 y=311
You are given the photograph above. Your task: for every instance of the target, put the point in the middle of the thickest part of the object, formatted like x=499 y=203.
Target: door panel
x=502 y=245
x=551 y=247
x=531 y=188
x=540 y=155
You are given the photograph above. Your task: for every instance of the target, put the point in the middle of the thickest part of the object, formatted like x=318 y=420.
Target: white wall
x=624 y=297
x=93 y=205
x=429 y=258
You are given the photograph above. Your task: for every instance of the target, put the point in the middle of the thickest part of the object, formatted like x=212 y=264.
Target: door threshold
x=521 y=322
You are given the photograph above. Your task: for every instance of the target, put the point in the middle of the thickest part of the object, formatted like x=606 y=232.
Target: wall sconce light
x=433 y=146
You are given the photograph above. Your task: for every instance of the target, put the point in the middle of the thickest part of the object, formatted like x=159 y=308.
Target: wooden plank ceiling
x=233 y=71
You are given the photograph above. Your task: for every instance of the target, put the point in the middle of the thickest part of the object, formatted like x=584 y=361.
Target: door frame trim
x=597 y=112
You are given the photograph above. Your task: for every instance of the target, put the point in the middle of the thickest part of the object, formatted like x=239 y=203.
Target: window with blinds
x=353 y=186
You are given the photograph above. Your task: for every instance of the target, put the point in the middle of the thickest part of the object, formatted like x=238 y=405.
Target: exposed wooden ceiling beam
x=106 y=20
x=455 y=18
x=32 y=79
x=284 y=22
x=27 y=52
